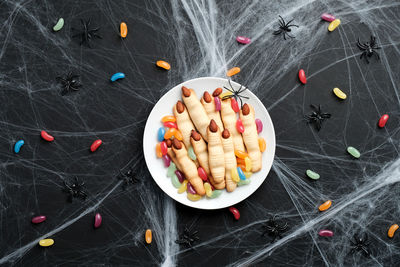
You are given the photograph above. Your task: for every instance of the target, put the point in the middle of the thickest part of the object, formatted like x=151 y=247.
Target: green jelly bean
x=216 y=193
x=59 y=25
x=312 y=175
x=354 y=152
x=243 y=182
x=191 y=153
x=171 y=170
x=175 y=181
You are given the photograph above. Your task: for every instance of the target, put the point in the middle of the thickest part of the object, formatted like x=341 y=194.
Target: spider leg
x=292 y=25
x=290 y=35
x=318 y=124
x=282 y=21
x=365 y=250
x=377 y=55
x=277 y=32
x=242 y=96
x=230 y=90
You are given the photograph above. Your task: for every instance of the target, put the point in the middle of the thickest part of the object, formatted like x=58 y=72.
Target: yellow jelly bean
x=225 y=94
x=193 y=197
x=235 y=175
x=208 y=189
x=168 y=118
x=339 y=93
x=123 y=29
x=233 y=71
x=163 y=64
x=333 y=25
x=326 y=205
x=183 y=187
x=46 y=242
x=247 y=163
x=241 y=154
x=262 y=144
x=248 y=174
x=148 y=236
x=158 y=150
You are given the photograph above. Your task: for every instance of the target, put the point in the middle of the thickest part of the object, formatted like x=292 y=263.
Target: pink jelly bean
x=243 y=40
x=259 y=125
x=170 y=124
x=328 y=17
x=38 y=219
x=202 y=173
x=167 y=160
x=97 y=220
x=235 y=105
x=190 y=189
x=239 y=126
x=180 y=175
x=325 y=233
x=217 y=103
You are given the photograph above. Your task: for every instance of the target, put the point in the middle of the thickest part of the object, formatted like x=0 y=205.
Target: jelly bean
x=325 y=233
x=160 y=134
x=191 y=153
x=180 y=175
x=38 y=219
x=339 y=93
x=164 y=148
x=183 y=187
x=235 y=105
x=163 y=64
x=46 y=136
x=239 y=126
x=158 y=151
x=148 y=236
x=193 y=197
x=354 y=152
x=241 y=154
x=171 y=170
x=95 y=145
x=169 y=133
x=262 y=145
x=97 y=220
x=59 y=25
x=178 y=135
x=167 y=160
x=190 y=189
x=328 y=17
x=313 y=175
x=259 y=125
x=240 y=161
x=241 y=174
x=302 y=76
x=233 y=71
x=46 y=242
x=247 y=163
x=175 y=181
x=216 y=193
x=217 y=102
x=248 y=174
x=225 y=94
x=18 y=145
x=117 y=76
x=170 y=124
x=326 y=205
x=243 y=40
x=168 y=118
x=392 y=229
x=208 y=189
x=235 y=213
x=242 y=167
x=383 y=120
x=235 y=175
x=123 y=29
x=333 y=25
x=243 y=182
x=202 y=173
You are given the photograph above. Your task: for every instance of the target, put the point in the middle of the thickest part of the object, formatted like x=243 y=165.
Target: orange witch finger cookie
x=229 y=119
x=200 y=149
x=250 y=136
x=230 y=160
x=188 y=166
x=208 y=103
x=196 y=111
x=183 y=121
x=216 y=156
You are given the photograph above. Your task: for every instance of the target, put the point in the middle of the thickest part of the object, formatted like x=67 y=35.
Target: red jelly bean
x=38 y=219
x=234 y=105
x=170 y=124
x=95 y=145
x=180 y=175
x=202 y=173
x=235 y=213
x=325 y=233
x=383 y=120
x=239 y=126
x=46 y=136
x=302 y=76
x=97 y=220
x=164 y=148
x=167 y=160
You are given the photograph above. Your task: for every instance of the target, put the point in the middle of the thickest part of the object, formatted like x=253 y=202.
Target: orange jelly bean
x=163 y=64
x=158 y=150
x=262 y=144
x=171 y=132
x=240 y=161
x=242 y=166
x=392 y=229
x=178 y=135
x=241 y=154
x=123 y=29
x=233 y=71
x=168 y=118
x=326 y=205
x=148 y=236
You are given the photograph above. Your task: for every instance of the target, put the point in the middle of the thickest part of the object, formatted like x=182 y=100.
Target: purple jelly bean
x=97 y=220
x=328 y=17
x=190 y=189
x=167 y=160
x=243 y=40
x=38 y=219
x=325 y=233
x=259 y=125
x=217 y=102
x=180 y=175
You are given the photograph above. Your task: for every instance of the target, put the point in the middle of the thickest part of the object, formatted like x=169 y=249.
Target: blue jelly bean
x=241 y=174
x=160 y=134
x=116 y=76
x=18 y=145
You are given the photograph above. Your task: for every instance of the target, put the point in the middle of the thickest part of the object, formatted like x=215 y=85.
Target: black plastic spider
x=368 y=48
x=187 y=238
x=360 y=244
x=236 y=93
x=75 y=189
x=69 y=82
x=86 y=33
x=285 y=28
x=127 y=178
x=317 y=116
x=273 y=228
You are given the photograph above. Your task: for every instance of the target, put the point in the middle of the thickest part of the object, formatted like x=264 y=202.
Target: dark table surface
x=198 y=39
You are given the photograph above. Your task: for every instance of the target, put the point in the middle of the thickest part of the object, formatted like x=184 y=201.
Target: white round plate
x=156 y=165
